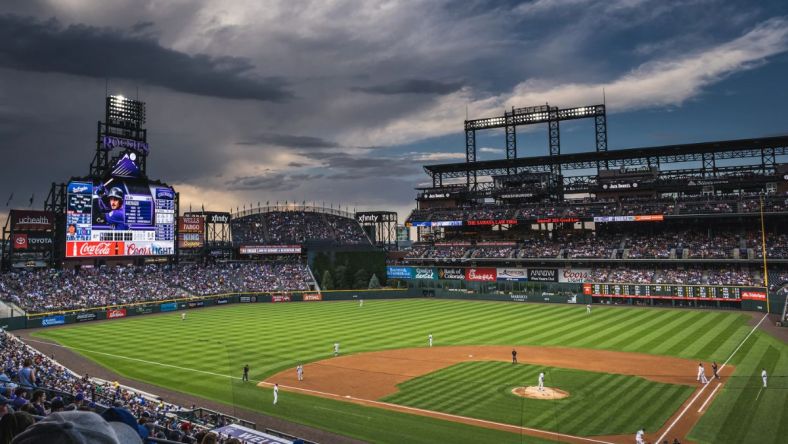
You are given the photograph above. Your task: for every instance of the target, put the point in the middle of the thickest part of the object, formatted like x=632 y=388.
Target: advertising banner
x=455 y=274
x=219 y=218
x=543 y=274
x=400 y=272
x=85 y=317
x=558 y=220
x=53 y=320
x=168 y=306
x=191 y=232
x=639 y=218
x=247 y=299
x=144 y=309
x=280 y=298
x=492 y=222
x=116 y=313
x=480 y=274
x=39 y=242
x=574 y=275
x=20 y=241
x=425 y=273
x=270 y=249
x=196 y=304
x=95 y=249
x=753 y=295
x=313 y=297
x=30 y=220
x=512 y=274
x=247 y=435
x=222 y=301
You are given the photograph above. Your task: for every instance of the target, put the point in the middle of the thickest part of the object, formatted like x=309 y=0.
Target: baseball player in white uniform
x=183 y=316
x=276 y=393
x=588 y=309
x=336 y=348
x=702 y=374
x=300 y=372
x=429 y=338
x=360 y=302
x=541 y=382
x=639 y=437
x=764 y=376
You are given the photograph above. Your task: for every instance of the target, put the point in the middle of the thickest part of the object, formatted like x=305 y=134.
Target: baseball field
x=622 y=368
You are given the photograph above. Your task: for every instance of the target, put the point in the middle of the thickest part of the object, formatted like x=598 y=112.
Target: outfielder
x=764 y=376
x=183 y=316
x=276 y=393
x=702 y=374
x=360 y=302
x=429 y=338
x=541 y=382
x=588 y=309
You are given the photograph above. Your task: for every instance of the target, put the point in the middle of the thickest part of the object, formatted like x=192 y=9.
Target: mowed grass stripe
x=272 y=337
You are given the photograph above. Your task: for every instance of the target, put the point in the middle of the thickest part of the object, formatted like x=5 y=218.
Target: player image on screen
x=111 y=207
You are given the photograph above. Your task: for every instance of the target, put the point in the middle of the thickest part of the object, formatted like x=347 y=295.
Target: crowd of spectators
x=53 y=290
x=297 y=227
x=725 y=204
x=689 y=276
x=33 y=388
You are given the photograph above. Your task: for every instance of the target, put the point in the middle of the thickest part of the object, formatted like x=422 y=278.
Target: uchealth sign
x=574 y=275
x=543 y=274
x=480 y=274
x=29 y=220
x=512 y=274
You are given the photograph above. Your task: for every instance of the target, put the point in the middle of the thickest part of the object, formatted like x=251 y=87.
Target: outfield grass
x=483 y=390
x=216 y=342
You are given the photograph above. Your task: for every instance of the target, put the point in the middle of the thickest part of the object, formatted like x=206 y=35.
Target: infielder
x=276 y=393
x=429 y=339
x=764 y=376
x=702 y=374
x=541 y=381
x=639 y=437
x=514 y=356
x=300 y=372
x=336 y=348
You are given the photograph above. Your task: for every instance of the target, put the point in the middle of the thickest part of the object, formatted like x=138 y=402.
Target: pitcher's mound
x=534 y=392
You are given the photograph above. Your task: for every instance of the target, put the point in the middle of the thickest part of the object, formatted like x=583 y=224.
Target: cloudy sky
x=344 y=101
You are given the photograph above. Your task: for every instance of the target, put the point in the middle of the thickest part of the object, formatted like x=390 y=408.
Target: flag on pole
x=31 y=199
x=9 y=199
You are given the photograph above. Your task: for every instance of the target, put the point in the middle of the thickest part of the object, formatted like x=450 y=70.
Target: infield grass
x=216 y=342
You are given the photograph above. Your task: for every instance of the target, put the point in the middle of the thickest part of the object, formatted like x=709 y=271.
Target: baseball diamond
x=632 y=359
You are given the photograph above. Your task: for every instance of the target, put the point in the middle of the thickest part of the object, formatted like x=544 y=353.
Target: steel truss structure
x=763 y=154
x=552 y=115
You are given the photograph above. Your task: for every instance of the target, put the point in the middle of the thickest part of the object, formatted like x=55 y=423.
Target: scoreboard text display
x=680 y=292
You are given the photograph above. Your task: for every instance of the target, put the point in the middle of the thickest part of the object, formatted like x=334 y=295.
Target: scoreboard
x=681 y=292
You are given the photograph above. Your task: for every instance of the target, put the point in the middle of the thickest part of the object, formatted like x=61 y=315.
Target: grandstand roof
x=687 y=152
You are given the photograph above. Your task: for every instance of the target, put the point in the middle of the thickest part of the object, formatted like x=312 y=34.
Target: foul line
x=709 y=398
x=391 y=406
x=759 y=394
x=683 y=412
x=435 y=413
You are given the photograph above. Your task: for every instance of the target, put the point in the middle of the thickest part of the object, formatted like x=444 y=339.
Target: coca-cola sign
x=116 y=313
x=95 y=249
x=480 y=274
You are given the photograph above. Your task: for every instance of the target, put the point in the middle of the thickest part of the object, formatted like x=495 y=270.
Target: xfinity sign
x=367 y=218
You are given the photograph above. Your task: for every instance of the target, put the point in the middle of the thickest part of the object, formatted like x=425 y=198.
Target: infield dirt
x=366 y=377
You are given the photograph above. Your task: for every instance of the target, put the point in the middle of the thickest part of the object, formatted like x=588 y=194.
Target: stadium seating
x=297 y=227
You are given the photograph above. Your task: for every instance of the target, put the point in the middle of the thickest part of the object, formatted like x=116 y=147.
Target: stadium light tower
x=763 y=252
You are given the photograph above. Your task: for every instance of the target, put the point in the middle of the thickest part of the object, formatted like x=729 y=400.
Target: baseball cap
x=69 y=428
x=115 y=415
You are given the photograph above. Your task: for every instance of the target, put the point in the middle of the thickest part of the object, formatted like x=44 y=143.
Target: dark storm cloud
x=412 y=86
x=270 y=182
x=32 y=45
x=288 y=141
x=362 y=166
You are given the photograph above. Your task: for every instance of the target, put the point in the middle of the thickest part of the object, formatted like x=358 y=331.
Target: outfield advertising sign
x=425 y=273
x=574 y=275
x=400 y=272
x=169 y=306
x=116 y=313
x=222 y=301
x=247 y=299
x=512 y=274
x=480 y=274
x=53 y=320
x=454 y=274
x=543 y=274
x=280 y=298
x=312 y=297
x=85 y=317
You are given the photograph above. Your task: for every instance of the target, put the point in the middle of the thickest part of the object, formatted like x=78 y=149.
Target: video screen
x=120 y=216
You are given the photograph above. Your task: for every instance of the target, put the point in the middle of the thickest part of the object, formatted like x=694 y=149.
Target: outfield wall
x=50 y=319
